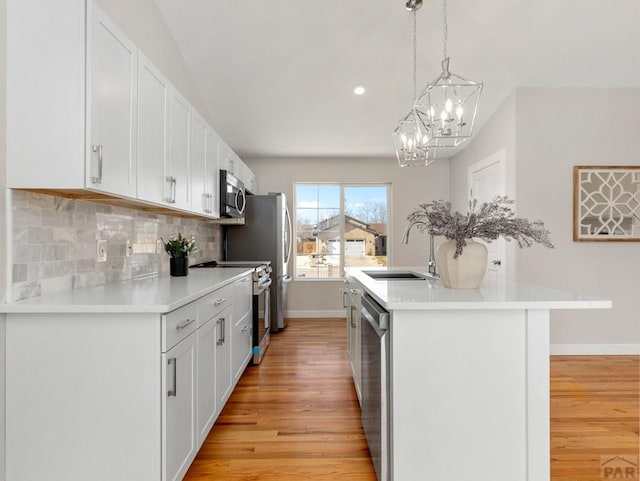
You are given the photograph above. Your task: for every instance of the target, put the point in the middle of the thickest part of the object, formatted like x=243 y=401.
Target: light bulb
x=448 y=105
x=459 y=112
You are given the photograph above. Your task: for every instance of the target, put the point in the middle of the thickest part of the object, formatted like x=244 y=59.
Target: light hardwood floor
x=594 y=414
x=296 y=416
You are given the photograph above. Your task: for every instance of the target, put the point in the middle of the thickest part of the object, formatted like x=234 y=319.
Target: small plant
x=488 y=221
x=179 y=246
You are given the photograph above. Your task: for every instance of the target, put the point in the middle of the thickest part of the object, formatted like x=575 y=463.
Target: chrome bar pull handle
x=220 y=339
x=173 y=392
x=186 y=323
x=97 y=179
x=171 y=198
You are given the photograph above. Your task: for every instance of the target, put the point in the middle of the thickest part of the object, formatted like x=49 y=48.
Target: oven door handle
x=262 y=286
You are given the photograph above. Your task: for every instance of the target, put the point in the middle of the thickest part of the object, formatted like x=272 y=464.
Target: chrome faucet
x=431 y=262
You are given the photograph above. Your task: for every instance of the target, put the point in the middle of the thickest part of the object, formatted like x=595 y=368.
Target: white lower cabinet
x=223 y=355
x=242 y=326
x=206 y=404
x=126 y=396
x=352 y=304
x=241 y=348
x=179 y=433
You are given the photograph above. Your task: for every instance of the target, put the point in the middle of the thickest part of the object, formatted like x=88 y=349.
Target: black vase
x=179 y=266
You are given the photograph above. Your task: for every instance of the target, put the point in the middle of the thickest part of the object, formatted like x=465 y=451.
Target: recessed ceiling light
x=359 y=90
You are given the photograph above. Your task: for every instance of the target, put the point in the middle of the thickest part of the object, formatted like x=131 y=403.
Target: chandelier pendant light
x=412 y=137
x=448 y=105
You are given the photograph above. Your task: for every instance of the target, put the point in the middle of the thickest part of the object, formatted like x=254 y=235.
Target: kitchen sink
x=395 y=275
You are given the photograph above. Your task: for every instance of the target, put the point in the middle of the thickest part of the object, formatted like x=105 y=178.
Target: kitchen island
x=468 y=376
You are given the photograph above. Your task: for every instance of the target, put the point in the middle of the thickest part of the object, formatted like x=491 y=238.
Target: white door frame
x=498 y=159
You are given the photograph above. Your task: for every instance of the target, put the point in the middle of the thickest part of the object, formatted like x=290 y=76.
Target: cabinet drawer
x=178 y=324
x=212 y=304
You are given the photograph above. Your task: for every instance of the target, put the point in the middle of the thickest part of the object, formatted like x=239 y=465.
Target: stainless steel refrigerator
x=265 y=236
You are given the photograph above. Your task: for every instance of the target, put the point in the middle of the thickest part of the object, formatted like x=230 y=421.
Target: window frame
x=342 y=186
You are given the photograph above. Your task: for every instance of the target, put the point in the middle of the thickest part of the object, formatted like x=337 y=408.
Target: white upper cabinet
x=153 y=115
x=177 y=173
x=45 y=94
x=112 y=109
x=212 y=174
x=200 y=201
x=86 y=110
x=225 y=158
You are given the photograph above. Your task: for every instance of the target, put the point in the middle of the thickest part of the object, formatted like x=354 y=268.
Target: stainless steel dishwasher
x=374 y=383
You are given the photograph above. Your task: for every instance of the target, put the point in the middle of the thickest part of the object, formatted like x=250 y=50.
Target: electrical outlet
x=159 y=246
x=101 y=250
x=128 y=248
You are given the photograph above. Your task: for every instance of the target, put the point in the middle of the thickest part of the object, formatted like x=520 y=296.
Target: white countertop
x=151 y=295
x=433 y=295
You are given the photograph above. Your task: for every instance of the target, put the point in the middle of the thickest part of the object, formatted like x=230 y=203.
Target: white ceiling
x=278 y=75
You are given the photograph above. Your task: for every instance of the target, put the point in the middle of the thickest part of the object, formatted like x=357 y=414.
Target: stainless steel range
x=261 y=301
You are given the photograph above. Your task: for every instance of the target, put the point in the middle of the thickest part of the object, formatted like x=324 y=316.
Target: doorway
x=486 y=180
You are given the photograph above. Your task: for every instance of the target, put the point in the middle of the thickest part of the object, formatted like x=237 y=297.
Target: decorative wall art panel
x=606 y=203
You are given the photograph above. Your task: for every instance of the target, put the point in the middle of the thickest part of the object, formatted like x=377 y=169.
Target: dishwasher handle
x=375 y=314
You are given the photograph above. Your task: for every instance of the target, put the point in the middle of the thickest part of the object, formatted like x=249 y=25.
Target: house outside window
x=338 y=226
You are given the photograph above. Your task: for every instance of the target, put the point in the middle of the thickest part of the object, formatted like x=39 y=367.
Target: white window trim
x=342 y=186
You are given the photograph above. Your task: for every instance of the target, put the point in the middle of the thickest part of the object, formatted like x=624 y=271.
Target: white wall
x=142 y=21
x=545 y=132
x=410 y=187
x=557 y=129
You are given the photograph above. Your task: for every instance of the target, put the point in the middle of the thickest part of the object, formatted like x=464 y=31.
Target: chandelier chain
x=445 y=28
x=415 y=82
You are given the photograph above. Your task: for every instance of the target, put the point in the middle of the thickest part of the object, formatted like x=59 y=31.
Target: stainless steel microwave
x=232 y=195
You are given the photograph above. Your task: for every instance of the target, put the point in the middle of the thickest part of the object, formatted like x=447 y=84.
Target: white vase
x=467 y=270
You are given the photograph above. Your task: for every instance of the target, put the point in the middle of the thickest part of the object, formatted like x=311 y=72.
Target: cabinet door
x=200 y=201
x=177 y=177
x=153 y=114
x=224 y=324
x=212 y=176
x=353 y=335
x=112 y=84
x=179 y=433
x=206 y=379
x=242 y=346
x=242 y=301
x=252 y=182
x=226 y=162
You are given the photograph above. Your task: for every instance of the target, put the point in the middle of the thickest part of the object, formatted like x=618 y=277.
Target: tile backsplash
x=54 y=243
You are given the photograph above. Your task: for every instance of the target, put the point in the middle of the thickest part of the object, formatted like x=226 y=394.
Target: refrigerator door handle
x=286 y=279
x=288 y=234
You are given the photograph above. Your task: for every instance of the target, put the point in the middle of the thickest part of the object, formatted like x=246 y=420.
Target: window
x=338 y=226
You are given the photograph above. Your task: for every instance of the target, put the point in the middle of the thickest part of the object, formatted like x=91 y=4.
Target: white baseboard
x=594 y=349
x=320 y=314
